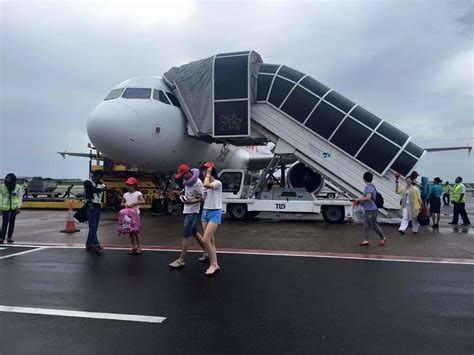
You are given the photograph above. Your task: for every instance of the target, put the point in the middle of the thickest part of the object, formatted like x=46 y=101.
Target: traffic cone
x=70 y=225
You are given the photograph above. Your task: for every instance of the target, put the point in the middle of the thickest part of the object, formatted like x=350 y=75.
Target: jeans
x=8 y=222
x=93 y=212
x=370 y=222
x=460 y=209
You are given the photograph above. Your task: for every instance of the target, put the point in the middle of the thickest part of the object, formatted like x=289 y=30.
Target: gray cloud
x=409 y=62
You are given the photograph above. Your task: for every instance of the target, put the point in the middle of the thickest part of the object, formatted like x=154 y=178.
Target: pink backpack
x=128 y=221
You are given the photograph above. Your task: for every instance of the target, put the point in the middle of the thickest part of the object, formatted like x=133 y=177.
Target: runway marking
x=306 y=254
x=22 y=252
x=82 y=314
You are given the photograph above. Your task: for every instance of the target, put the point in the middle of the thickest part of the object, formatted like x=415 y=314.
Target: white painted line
x=81 y=314
x=322 y=255
x=3 y=248
x=22 y=252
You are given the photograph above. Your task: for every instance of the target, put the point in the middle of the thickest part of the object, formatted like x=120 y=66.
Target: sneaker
x=466 y=224
x=2 y=241
x=10 y=241
x=401 y=232
x=177 y=264
x=453 y=223
x=204 y=258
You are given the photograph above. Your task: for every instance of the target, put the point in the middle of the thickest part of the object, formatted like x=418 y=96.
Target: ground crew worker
x=446 y=193
x=26 y=189
x=459 y=202
x=11 y=197
x=94 y=190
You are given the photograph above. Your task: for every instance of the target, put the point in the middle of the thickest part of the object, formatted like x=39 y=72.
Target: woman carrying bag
x=411 y=205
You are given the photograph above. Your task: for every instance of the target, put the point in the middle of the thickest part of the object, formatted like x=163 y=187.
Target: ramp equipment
x=236 y=98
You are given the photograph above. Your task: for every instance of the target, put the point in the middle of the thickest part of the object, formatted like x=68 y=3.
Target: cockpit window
x=136 y=93
x=173 y=99
x=114 y=94
x=160 y=96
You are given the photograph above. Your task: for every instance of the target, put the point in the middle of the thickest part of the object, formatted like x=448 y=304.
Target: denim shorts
x=214 y=216
x=190 y=229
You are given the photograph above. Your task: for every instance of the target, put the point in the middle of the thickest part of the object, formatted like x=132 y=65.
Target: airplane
x=140 y=123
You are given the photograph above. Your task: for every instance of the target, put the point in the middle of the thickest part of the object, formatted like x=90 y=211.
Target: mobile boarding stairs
x=236 y=98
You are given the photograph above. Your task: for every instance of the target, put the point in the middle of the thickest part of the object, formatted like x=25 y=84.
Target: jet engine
x=300 y=175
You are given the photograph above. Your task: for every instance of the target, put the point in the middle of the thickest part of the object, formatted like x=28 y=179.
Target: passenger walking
x=26 y=188
x=370 y=211
x=459 y=202
x=435 y=191
x=11 y=197
x=446 y=193
x=411 y=205
x=193 y=190
x=94 y=189
x=133 y=199
x=212 y=213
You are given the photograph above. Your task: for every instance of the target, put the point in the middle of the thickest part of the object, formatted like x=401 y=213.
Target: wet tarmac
x=286 y=287
x=257 y=304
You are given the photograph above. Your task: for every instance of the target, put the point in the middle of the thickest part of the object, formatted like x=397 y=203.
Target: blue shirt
x=370 y=205
x=435 y=190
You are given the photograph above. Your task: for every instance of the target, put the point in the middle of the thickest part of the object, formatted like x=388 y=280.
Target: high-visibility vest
x=446 y=189
x=10 y=201
x=97 y=196
x=457 y=193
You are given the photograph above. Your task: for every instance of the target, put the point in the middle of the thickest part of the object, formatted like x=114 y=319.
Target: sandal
x=364 y=244
x=177 y=264
x=382 y=242
x=137 y=252
x=212 y=270
x=131 y=252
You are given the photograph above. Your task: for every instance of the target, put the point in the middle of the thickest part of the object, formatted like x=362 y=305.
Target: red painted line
x=313 y=254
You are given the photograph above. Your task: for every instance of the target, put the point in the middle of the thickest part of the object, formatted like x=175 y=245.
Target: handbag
x=423 y=219
x=81 y=214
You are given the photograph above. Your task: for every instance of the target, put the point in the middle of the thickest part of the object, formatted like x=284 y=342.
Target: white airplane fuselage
x=138 y=125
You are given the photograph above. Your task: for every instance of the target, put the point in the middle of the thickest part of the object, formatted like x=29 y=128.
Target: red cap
x=183 y=168
x=131 y=181
x=208 y=165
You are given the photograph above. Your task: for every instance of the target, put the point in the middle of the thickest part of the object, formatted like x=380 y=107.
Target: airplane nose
x=113 y=129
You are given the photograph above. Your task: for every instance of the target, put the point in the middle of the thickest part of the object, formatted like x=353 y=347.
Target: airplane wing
x=81 y=155
x=444 y=149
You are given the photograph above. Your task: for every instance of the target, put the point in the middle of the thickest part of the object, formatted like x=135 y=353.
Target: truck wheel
x=167 y=207
x=238 y=212
x=333 y=214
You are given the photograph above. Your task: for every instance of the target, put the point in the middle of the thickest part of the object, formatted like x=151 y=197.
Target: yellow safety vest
x=457 y=193
x=10 y=201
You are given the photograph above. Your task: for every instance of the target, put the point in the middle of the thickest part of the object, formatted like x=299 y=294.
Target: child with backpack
x=371 y=203
x=129 y=216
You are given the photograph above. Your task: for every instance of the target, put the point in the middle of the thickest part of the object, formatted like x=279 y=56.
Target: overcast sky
x=410 y=62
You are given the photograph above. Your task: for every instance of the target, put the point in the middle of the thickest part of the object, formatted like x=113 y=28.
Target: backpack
x=378 y=199
x=128 y=221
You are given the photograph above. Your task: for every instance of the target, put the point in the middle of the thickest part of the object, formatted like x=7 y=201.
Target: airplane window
x=173 y=99
x=160 y=96
x=137 y=93
x=114 y=94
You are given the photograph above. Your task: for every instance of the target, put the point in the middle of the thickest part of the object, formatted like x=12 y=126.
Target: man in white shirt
x=193 y=190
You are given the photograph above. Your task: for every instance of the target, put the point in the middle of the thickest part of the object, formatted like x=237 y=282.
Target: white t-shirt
x=131 y=198
x=190 y=192
x=213 y=196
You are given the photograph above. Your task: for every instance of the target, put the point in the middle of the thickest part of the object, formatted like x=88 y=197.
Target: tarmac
x=286 y=287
